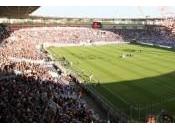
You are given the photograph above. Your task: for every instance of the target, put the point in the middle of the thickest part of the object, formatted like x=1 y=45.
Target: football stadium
x=74 y=70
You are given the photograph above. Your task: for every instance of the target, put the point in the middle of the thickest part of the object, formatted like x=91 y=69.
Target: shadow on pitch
x=141 y=97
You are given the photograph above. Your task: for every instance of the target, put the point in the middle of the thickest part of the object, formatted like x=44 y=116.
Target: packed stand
x=163 y=37
x=29 y=92
x=23 y=43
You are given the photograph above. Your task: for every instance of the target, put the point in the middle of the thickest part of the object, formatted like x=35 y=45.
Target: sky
x=105 y=11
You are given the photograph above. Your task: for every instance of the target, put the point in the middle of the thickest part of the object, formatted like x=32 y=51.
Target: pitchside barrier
x=152 y=44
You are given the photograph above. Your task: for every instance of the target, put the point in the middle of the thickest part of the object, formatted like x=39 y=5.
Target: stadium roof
x=17 y=11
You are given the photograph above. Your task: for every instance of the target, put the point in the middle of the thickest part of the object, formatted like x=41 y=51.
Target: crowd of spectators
x=29 y=92
x=151 y=35
x=22 y=43
x=68 y=35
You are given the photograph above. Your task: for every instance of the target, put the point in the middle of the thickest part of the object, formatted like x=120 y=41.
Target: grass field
x=138 y=85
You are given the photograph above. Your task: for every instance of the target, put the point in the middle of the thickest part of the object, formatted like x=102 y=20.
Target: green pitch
x=139 y=80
